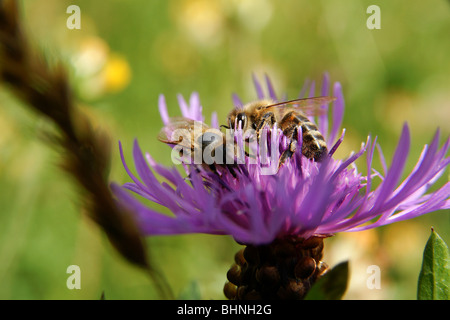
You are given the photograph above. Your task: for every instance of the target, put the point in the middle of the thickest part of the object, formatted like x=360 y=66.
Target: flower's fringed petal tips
x=171 y=174
x=438 y=200
x=195 y=107
x=150 y=221
x=214 y=120
x=182 y=202
x=338 y=112
x=337 y=144
x=424 y=171
x=369 y=158
x=302 y=92
x=281 y=215
x=312 y=89
x=270 y=88
x=152 y=185
x=237 y=102
x=162 y=106
x=259 y=92
x=137 y=182
x=394 y=173
x=350 y=199
x=183 y=106
x=409 y=196
x=407 y=200
x=350 y=160
x=302 y=198
x=323 y=118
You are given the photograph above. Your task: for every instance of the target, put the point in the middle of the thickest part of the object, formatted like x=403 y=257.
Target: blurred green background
x=128 y=52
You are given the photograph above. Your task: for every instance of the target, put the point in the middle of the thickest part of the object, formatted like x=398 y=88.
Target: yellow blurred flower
x=98 y=70
x=116 y=74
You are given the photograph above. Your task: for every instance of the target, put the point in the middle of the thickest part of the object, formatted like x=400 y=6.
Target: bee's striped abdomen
x=314 y=146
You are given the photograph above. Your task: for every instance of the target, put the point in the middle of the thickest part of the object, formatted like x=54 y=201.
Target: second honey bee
x=288 y=115
x=197 y=143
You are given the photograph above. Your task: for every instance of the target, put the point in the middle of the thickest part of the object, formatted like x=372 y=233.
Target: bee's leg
x=292 y=134
x=289 y=124
x=267 y=118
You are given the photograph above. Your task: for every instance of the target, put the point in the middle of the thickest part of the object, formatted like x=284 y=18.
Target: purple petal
x=162 y=193
x=237 y=102
x=437 y=201
x=316 y=199
x=301 y=95
x=163 y=109
x=270 y=88
x=338 y=111
x=150 y=221
x=258 y=88
x=337 y=144
x=312 y=89
x=382 y=159
x=419 y=175
x=323 y=118
x=396 y=169
x=352 y=158
x=170 y=174
x=369 y=165
x=195 y=107
x=214 y=120
x=136 y=189
x=136 y=181
x=142 y=168
x=183 y=106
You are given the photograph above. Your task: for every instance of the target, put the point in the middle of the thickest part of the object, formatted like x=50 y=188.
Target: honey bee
x=195 y=141
x=289 y=115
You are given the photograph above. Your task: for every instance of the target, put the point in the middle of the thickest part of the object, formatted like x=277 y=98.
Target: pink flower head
x=303 y=199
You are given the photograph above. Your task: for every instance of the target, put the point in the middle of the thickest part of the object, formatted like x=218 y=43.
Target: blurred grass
x=128 y=52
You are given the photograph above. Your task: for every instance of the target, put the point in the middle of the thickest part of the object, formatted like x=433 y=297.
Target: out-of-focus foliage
x=128 y=52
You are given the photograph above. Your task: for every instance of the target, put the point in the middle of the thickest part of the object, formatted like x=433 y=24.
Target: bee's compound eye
x=241 y=117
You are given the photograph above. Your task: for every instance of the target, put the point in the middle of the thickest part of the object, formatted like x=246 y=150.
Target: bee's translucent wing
x=309 y=106
x=179 y=129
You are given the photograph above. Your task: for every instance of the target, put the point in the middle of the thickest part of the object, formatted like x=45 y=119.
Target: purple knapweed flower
x=303 y=199
x=280 y=212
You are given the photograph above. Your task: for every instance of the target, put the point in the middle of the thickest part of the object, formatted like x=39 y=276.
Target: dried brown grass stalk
x=85 y=151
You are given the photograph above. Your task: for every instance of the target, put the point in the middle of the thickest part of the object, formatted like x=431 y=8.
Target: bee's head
x=237 y=116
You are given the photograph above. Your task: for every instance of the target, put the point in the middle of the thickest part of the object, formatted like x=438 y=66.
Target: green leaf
x=191 y=292
x=332 y=285
x=434 y=278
